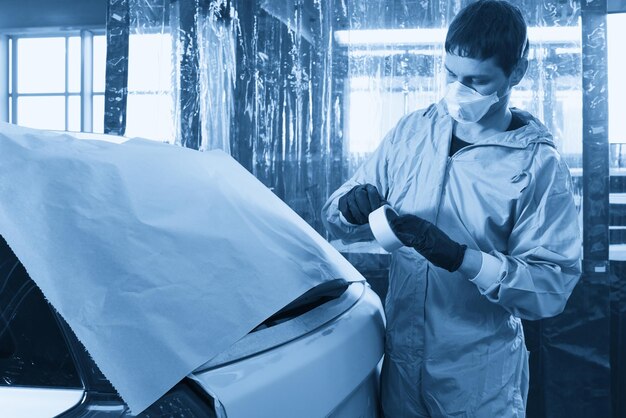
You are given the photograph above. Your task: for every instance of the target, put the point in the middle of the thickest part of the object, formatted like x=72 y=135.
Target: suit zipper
x=444 y=181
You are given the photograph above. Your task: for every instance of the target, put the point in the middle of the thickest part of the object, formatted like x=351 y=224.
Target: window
x=57 y=82
x=150 y=103
x=33 y=351
x=49 y=81
x=99 y=70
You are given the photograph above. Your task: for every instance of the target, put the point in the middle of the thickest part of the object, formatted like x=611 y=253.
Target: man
x=489 y=225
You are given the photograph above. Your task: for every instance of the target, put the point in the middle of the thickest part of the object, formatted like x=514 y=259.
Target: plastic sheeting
x=251 y=78
x=170 y=71
x=302 y=106
x=314 y=92
x=286 y=128
x=204 y=70
x=300 y=97
x=116 y=68
x=158 y=257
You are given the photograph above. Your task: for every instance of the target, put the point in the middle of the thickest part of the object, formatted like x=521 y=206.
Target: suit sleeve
x=374 y=171
x=536 y=276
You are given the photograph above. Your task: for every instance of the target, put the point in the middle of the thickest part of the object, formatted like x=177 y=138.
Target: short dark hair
x=489 y=28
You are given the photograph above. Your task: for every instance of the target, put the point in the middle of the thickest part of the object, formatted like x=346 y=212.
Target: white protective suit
x=454 y=347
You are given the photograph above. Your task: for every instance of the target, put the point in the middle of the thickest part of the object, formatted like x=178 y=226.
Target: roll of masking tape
x=379 y=224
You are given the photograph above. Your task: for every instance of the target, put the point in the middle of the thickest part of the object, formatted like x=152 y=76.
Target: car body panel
x=332 y=370
x=158 y=257
x=28 y=402
x=329 y=353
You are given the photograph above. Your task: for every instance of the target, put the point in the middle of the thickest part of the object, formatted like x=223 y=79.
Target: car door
x=45 y=371
x=38 y=377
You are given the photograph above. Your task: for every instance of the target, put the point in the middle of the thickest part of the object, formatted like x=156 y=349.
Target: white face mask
x=466 y=105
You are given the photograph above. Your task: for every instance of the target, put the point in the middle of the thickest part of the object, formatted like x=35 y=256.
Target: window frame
x=10 y=74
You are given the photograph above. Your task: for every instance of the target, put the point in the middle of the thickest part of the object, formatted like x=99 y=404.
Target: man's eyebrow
x=473 y=76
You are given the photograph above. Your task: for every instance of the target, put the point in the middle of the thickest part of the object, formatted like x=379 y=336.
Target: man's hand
x=428 y=240
x=359 y=202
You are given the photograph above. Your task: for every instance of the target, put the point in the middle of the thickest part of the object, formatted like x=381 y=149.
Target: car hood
x=158 y=257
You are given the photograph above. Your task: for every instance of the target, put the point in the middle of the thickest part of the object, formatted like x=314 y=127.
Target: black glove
x=359 y=202
x=428 y=240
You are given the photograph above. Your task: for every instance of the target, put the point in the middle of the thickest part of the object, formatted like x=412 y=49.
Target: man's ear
x=519 y=71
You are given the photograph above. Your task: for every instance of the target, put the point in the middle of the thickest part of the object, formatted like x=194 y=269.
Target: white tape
x=381 y=229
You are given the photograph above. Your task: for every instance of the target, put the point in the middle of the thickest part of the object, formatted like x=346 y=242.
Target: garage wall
x=616 y=6
x=18 y=14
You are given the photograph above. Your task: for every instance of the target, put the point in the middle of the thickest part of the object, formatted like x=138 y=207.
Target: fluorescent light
x=390 y=37
x=564 y=51
x=385 y=52
x=554 y=34
x=437 y=36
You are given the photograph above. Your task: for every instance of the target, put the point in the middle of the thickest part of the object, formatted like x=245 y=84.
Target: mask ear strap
x=523 y=60
x=525 y=48
x=519 y=71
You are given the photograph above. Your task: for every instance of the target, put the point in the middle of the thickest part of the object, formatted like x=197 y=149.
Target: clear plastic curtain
x=249 y=77
x=395 y=72
x=204 y=68
x=284 y=109
x=320 y=83
x=181 y=71
x=217 y=39
x=302 y=91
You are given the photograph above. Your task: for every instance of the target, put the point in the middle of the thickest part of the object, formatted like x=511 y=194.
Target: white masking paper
x=158 y=257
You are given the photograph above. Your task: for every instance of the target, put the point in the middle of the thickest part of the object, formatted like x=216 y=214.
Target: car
x=317 y=355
